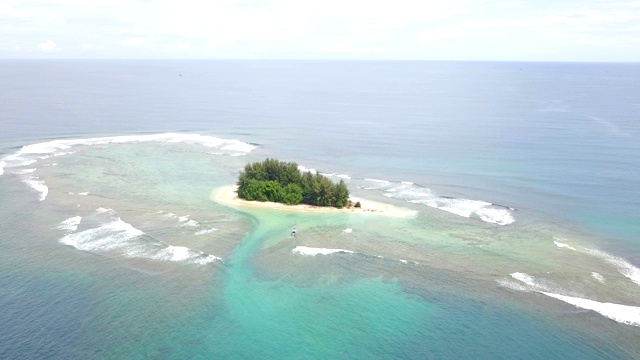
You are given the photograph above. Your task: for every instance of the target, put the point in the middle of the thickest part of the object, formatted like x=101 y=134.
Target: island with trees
x=283 y=182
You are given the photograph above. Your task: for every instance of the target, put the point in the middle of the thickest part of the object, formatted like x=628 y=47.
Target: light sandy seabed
x=228 y=195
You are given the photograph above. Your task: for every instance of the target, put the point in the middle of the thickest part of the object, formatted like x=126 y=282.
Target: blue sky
x=527 y=30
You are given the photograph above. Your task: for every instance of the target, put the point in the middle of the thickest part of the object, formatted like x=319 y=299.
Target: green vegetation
x=277 y=181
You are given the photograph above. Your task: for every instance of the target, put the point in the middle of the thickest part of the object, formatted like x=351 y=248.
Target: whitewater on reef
x=624 y=314
x=305 y=250
x=623 y=266
x=115 y=236
x=118 y=238
x=522 y=240
x=30 y=154
x=418 y=194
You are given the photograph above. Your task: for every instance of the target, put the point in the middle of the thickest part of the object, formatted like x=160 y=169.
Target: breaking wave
x=185 y=221
x=311 y=251
x=206 y=231
x=563 y=245
x=119 y=237
x=417 y=194
x=305 y=169
x=624 y=314
x=37 y=185
x=184 y=254
x=70 y=224
x=623 y=266
x=30 y=154
x=597 y=276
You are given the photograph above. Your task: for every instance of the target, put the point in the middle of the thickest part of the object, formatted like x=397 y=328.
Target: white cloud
x=183 y=45
x=132 y=42
x=340 y=48
x=402 y=29
x=49 y=46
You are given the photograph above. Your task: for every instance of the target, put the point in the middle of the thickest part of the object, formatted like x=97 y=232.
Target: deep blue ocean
x=522 y=179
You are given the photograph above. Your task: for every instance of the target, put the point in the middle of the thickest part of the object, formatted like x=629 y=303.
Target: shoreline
x=228 y=195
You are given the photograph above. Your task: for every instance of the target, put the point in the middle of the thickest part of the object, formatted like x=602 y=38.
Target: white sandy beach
x=228 y=195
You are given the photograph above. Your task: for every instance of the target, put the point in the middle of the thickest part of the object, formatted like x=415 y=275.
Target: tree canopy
x=283 y=182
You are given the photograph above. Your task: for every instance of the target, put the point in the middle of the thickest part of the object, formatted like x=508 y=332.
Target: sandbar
x=228 y=195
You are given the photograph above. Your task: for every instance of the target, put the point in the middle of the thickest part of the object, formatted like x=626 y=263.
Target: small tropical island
x=276 y=181
x=277 y=185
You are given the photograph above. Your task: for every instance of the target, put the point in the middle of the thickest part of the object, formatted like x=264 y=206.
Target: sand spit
x=228 y=195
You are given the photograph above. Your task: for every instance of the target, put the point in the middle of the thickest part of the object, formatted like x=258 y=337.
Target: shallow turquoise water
x=155 y=269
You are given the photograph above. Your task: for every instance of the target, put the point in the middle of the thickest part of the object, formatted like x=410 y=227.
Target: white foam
x=625 y=314
x=483 y=210
x=55 y=154
x=623 y=266
x=525 y=278
x=304 y=169
x=415 y=194
x=2 y=165
x=403 y=261
x=409 y=192
x=462 y=207
x=84 y=193
x=205 y=259
x=378 y=181
x=238 y=146
x=597 y=276
x=533 y=285
x=377 y=184
x=176 y=253
x=343 y=176
x=191 y=223
x=184 y=254
x=70 y=224
x=185 y=221
x=29 y=154
x=170 y=215
x=122 y=238
x=347 y=231
x=16 y=160
x=563 y=245
x=513 y=285
x=39 y=186
x=110 y=236
x=102 y=210
x=206 y=231
x=304 y=250
x=495 y=216
x=24 y=171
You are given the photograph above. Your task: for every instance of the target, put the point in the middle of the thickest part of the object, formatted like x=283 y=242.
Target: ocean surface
x=523 y=180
